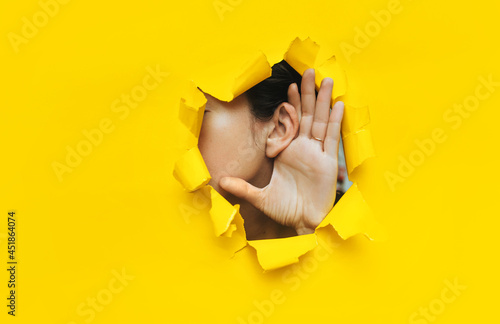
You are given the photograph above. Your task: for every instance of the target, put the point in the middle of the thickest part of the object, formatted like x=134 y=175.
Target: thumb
x=242 y=189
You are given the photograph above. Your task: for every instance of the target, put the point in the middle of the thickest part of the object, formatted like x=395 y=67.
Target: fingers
x=294 y=100
x=322 y=111
x=333 y=132
x=242 y=189
x=316 y=120
x=308 y=102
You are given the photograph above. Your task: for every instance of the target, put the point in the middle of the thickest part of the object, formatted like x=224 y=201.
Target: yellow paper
x=227 y=80
x=191 y=110
x=114 y=238
x=353 y=217
x=277 y=253
x=191 y=170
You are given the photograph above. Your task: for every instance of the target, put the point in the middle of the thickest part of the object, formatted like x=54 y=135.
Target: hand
x=303 y=185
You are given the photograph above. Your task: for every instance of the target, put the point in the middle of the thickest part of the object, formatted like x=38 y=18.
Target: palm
x=303 y=184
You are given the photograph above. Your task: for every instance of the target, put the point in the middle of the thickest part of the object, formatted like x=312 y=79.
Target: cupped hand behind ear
x=303 y=184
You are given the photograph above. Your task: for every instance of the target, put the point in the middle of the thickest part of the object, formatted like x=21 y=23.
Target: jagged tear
x=350 y=216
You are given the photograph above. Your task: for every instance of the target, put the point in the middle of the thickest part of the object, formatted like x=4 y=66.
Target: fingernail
x=328 y=79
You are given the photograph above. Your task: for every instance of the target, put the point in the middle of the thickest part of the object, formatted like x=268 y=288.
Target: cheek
x=228 y=147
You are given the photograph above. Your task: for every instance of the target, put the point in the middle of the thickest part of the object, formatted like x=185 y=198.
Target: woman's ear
x=284 y=126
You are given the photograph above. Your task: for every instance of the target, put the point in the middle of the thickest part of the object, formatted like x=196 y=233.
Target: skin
x=283 y=178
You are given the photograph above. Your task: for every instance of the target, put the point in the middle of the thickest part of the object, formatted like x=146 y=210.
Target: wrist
x=304 y=230
x=308 y=226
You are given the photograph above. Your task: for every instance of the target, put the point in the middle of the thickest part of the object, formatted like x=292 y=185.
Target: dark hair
x=267 y=95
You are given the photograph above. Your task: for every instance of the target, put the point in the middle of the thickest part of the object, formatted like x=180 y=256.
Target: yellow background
x=120 y=208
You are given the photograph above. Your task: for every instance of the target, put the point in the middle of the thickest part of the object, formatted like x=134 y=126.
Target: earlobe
x=285 y=126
